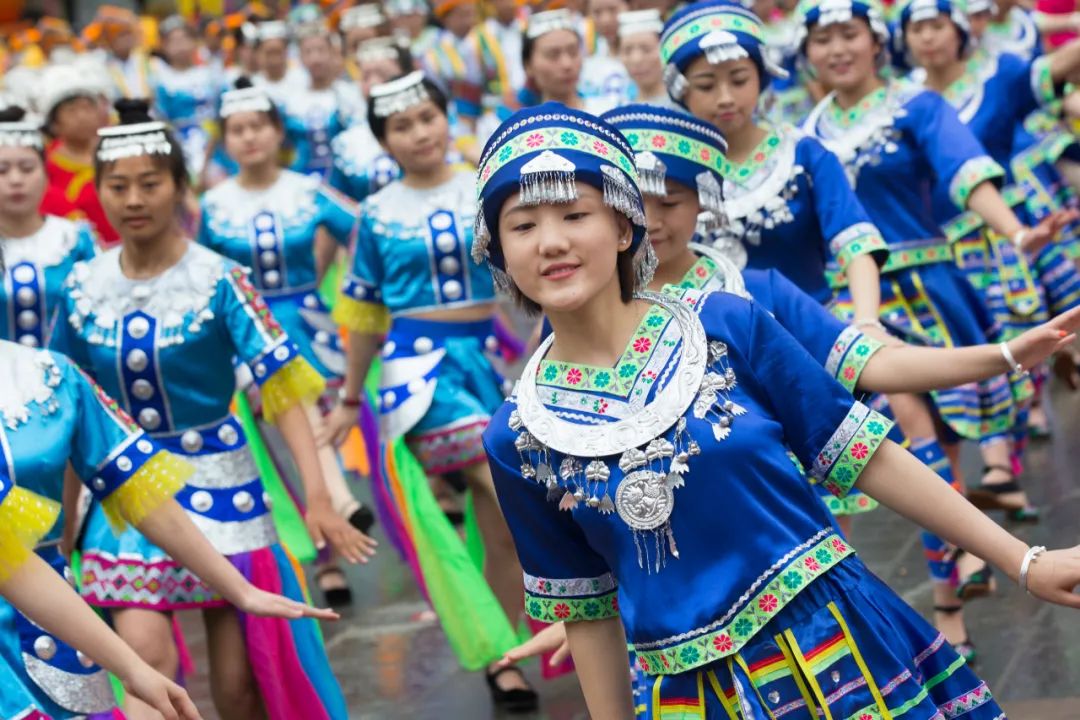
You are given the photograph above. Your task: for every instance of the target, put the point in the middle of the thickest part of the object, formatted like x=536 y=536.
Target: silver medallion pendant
x=644 y=500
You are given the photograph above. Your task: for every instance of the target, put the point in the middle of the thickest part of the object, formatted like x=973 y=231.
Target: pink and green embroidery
x=699 y=274
x=619 y=380
x=971 y=174
x=849 y=355
x=699 y=28
x=741 y=172
x=555 y=138
x=256 y=303
x=552 y=610
x=738 y=628
x=672 y=143
x=854 y=115
x=855 y=240
x=850 y=448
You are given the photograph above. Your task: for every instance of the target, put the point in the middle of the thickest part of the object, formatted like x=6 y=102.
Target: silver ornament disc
x=643 y=500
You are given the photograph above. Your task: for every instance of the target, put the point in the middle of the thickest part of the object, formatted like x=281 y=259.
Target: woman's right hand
x=551 y=639
x=337 y=425
x=1055 y=577
x=160 y=693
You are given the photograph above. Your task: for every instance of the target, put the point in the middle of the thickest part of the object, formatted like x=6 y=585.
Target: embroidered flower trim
x=695 y=27
x=849 y=355
x=971 y=174
x=855 y=240
x=779 y=585
x=553 y=610
x=850 y=448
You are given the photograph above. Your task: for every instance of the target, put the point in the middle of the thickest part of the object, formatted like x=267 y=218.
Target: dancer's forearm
x=599 y=651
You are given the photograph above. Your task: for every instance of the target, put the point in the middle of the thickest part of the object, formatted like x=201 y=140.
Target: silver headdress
x=397 y=8
x=124 y=141
x=362 y=16
x=173 y=22
x=399 y=95
x=20 y=134
x=980 y=6
x=380 y=48
x=928 y=9
x=252 y=99
x=549 y=21
x=640 y=21
x=271 y=30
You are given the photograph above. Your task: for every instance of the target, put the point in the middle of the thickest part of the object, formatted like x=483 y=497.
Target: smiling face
x=417 y=138
x=555 y=64
x=725 y=94
x=844 y=55
x=22 y=181
x=934 y=43
x=672 y=221
x=563 y=256
x=140 y=197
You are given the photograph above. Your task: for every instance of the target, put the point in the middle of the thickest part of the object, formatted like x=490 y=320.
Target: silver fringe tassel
x=548 y=179
x=711 y=199
x=652 y=172
x=675 y=81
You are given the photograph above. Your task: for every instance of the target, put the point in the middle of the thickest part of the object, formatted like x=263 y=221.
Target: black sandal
x=362 y=519
x=335 y=597
x=978 y=584
x=988 y=497
x=514 y=701
x=965 y=648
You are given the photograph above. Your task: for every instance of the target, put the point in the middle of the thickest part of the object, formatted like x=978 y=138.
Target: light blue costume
x=188 y=100
x=313 y=118
x=52 y=414
x=438 y=387
x=361 y=166
x=165 y=348
x=273 y=232
x=34 y=269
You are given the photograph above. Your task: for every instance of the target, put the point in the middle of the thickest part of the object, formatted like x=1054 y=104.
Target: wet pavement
x=394 y=665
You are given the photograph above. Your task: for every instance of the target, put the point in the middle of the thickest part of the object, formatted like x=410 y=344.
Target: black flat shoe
x=338 y=596
x=978 y=584
x=362 y=519
x=514 y=701
x=989 y=497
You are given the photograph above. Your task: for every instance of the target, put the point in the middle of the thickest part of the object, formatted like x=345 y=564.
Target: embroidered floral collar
x=759 y=182
x=854 y=114
x=26 y=376
x=742 y=172
x=179 y=297
x=619 y=380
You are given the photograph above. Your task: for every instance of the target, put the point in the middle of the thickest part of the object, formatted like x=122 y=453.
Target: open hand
x=1039 y=343
x=1055 y=575
x=267 y=604
x=323 y=524
x=1047 y=230
x=160 y=693
x=550 y=639
x=336 y=426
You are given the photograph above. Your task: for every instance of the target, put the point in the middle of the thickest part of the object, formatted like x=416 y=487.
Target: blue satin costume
x=188 y=100
x=34 y=270
x=273 y=232
x=52 y=414
x=438 y=387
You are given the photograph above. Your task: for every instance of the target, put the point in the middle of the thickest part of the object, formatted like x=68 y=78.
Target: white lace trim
x=764 y=187
x=49 y=246
x=26 y=376
x=230 y=208
x=176 y=298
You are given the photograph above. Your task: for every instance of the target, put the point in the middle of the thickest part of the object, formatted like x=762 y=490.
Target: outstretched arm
x=907 y=368
x=41 y=594
x=896 y=479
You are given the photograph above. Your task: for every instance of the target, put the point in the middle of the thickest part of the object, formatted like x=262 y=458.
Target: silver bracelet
x=1009 y=358
x=1030 y=557
x=1018 y=238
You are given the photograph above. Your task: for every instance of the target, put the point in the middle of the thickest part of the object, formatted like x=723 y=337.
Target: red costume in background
x=71 y=194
